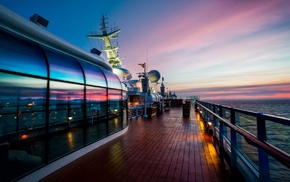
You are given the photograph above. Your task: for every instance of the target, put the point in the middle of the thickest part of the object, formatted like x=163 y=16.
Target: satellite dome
x=122 y=72
x=154 y=76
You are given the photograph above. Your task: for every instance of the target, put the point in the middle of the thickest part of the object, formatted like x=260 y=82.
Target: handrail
x=277 y=119
x=276 y=153
x=135 y=109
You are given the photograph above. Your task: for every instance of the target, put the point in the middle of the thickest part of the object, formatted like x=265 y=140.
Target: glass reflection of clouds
x=96 y=93
x=112 y=79
x=50 y=110
x=63 y=67
x=94 y=75
x=114 y=95
x=21 y=56
x=66 y=91
x=14 y=81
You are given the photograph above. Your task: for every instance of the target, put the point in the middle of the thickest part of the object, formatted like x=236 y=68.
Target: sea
x=277 y=134
x=276 y=107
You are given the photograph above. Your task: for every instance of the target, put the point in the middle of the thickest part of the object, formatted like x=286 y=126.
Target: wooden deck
x=165 y=148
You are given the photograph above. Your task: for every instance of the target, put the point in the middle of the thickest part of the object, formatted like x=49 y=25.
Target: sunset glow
x=218 y=49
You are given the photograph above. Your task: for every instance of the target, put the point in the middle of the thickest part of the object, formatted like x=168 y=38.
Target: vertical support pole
x=221 y=132
x=214 y=120
x=225 y=132
x=130 y=114
x=233 y=145
x=206 y=113
x=264 y=174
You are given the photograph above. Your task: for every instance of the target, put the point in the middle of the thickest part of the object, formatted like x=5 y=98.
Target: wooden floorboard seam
x=163 y=148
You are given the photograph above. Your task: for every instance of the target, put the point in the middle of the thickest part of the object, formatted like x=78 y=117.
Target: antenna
x=147 y=59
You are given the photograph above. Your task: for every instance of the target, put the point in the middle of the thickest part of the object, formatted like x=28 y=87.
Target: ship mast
x=111 y=51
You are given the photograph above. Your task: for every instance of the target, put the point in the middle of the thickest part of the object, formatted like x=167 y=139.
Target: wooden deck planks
x=165 y=148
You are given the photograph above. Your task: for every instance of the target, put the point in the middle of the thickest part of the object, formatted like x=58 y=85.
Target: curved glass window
x=43 y=115
x=96 y=108
x=94 y=75
x=96 y=101
x=65 y=112
x=63 y=67
x=22 y=104
x=112 y=79
x=115 y=110
x=66 y=102
x=21 y=56
x=22 y=123
x=125 y=107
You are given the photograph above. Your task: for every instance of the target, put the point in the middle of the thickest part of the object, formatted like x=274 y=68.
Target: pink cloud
x=214 y=23
x=216 y=45
x=274 y=90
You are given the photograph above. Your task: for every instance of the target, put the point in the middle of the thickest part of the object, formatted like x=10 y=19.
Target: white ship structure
x=142 y=91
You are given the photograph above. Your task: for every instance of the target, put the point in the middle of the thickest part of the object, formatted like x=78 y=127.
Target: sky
x=215 y=49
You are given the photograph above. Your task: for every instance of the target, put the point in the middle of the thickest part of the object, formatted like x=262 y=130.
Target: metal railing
x=135 y=111
x=251 y=155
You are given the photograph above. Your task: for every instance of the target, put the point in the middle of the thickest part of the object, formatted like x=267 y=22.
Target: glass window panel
x=23 y=100
x=96 y=108
x=249 y=151
x=22 y=118
x=278 y=139
x=96 y=101
x=64 y=67
x=278 y=171
x=115 y=110
x=125 y=108
x=114 y=98
x=21 y=56
x=96 y=131
x=112 y=79
x=66 y=102
x=94 y=76
x=246 y=122
x=63 y=143
x=115 y=124
x=65 y=118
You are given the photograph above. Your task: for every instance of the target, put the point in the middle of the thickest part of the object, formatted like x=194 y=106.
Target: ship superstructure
x=140 y=94
x=111 y=50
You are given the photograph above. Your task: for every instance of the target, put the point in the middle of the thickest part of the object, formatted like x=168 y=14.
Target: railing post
x=225 y=133
x=206 y=113
x=214 y=118
x=221 y=133
x=264 y=174
x=130 y=116
x=233 y=145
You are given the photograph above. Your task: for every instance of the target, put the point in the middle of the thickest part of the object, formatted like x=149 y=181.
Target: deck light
x=24 y=137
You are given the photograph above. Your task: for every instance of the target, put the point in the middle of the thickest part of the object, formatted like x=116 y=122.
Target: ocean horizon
x=277 y=134
x=276 y=107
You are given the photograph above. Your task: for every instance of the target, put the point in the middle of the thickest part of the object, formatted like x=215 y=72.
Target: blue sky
x=215 y=49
